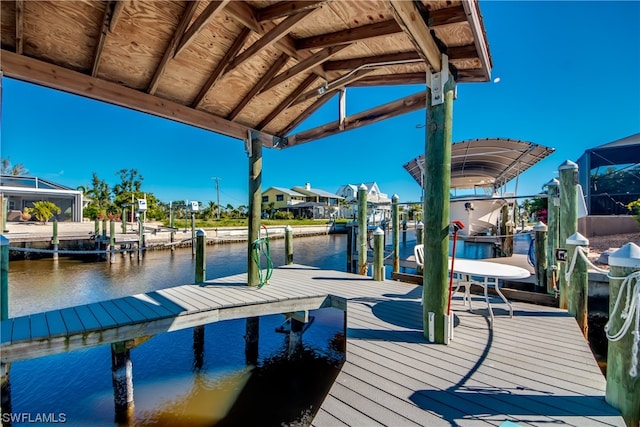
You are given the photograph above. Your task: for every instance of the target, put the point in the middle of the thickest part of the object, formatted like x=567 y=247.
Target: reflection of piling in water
x=122 y=378
x=251 y=339
x=295 y=337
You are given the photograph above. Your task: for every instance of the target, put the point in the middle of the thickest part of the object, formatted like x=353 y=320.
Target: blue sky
x=569 y=79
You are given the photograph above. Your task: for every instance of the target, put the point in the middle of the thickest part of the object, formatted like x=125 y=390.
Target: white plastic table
x=489 y=273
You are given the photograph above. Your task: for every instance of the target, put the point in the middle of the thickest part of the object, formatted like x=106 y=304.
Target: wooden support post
x=4 y=277
x=362 y=230
x=553 y=223
x=173 y=247
x=5 y=390
x=623 y=379
x=568 y=216
x=295 y=337
x=288 y=245
x=404 y=232
x=140 y=236
x=96 y=229
x=54 y=240
x=504 y=217
x=350 y=232
x=419 y=233
x=193 y=233
x=435 y=294
x=251 y=339
x=3 y=220
x=395 y=232
x=578 y=283
x=378 y=255
x=540 y=251
x=201 y=258
x=198 y=347
x=122 y=378
x=112 y=241
x=124 y=221
x=104 y=229
x=255 y=202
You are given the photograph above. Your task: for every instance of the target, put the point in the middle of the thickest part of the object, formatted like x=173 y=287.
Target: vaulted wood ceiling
x=235 y=67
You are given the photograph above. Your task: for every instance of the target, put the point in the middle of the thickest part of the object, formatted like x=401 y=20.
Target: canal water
x=170 y=389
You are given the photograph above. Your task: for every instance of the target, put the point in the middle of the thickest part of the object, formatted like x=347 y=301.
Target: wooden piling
x=350 y=232
x=198 y=347
x=140 y=236
x=104 y=229
x=419 y=233
x=201 y=258
x=3 y=218
x=54 y=240
x=251 y=340
x=578 y=283
x=112 y=241
x=5 y=390
x=553 y=219
x=172 y=234
x=193 y=233
x=288 y=245
x=378 y=255
x=295 y=337
x=255 y=202
x=362 y=230
x=436 y=210
x=395 y=229
x=623 y=379
x=540 y=251
x=124 y=220
x=122 y=379
x=404 y=232
x=568 y=216
x=4 y=277
x=96 y=229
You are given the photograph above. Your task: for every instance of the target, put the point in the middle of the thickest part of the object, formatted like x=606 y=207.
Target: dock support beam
x=378 y=255
x=252 y=329
x=288 y=245
x=200 y=277
x=436 y=209
x=623 y=379
x=568 y=215
x=395 y=228
x=362 y=230
x=122 y=377
x=54 y=240
x=540 y=250
x=578 y=283
x=553 y=220
x=112 y=241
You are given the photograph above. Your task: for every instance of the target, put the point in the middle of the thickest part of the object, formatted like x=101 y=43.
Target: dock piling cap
x=362 y=187
x=540 y=226
x=626 y=256
x=378 y=232
x=553 y=183
x=568 y=164
x=577 y=239
x=201 y=233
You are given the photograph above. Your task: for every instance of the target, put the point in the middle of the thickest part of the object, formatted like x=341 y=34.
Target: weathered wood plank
x=116 y=312
x=101 y=315
x=87 y=318
x=71 y=321
x=39 y=327
x=21 y=329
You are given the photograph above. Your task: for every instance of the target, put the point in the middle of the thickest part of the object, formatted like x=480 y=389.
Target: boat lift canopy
x=488 y=162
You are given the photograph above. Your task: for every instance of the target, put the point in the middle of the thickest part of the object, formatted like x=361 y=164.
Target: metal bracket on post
x=436 y=81
x=248 y=143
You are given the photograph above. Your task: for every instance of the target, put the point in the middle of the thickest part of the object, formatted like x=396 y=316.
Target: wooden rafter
x=217 y=72
x=350 y=64
x=199 y=24
x=286 y=103
x=402 y=106
x=19 y=26
x=115 y=16
x=286 y=8
x=305 y=65
x=447 y=15
x=171 y=49
x=41 y=73
x=102 y=36
x=273 y=69
x=391 y=79
x=342 y=82
x=350 y=35
x=412 y=22
x=306 y=113
x=278 y=32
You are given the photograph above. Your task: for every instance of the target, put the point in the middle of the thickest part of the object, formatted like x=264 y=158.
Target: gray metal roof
x=485 y=162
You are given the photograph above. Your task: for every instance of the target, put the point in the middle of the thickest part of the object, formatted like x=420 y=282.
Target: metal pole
x=623 y=380
x=395 y=228
x=288 y=244
x=362 y=230
x=568 y=215
x=540 y=249
x=378 y=255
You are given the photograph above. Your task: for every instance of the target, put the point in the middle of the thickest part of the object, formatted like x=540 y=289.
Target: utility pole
x=217 y=194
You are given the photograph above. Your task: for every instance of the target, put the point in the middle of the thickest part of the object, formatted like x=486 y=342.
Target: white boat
x=487 y=165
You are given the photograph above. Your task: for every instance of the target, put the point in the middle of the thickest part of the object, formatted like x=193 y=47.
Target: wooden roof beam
x=353 y=63
x=350 y=35
x=305 y=65
x=391 y=79
x=268 y=39
x=447 y=15
x=286 y=103
x=217 y=72
x=410 y=19
x=273 y=69
x=306 y=113
x=286 y=8
x=392 y=109
x=53 y=76
x=102 y=36
x=199 y=24
x=117 y=12
x=170 y=51
x=332 y=86
x=19 y=26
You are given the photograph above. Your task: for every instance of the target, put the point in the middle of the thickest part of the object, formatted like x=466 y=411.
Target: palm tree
x=15 y=170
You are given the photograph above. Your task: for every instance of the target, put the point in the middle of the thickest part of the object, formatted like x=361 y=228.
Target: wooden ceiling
x=235 y=67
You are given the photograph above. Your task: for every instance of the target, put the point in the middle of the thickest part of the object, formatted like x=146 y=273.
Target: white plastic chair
x=418 y=253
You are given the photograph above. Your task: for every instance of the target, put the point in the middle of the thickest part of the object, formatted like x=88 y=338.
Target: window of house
x=279 y=197
x=265 y=199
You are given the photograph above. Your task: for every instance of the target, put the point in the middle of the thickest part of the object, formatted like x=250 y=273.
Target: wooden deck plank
x=101 y=315
x=87 y=318
x=185 y=301
x=6 y=330
x=39 y=327
x=116 y=312
x=72 y=321
x=153 y=304
x=56 y=323
x=21 y=329
x=190 y=298
x=144 y=309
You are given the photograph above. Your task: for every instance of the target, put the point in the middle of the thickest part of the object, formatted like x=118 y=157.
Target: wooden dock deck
x=533 y=369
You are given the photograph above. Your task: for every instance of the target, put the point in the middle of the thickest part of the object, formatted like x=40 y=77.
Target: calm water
x=168 y=390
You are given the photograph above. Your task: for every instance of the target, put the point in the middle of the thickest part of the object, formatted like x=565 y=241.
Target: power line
x=217 y=193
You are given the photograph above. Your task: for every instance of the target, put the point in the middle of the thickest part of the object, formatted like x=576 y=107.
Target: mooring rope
x=582 y=252
x=258 y=247
x=630 y=287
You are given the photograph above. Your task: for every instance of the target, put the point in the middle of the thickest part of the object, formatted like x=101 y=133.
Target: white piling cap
x=362 y=187
x=201 y=233
x=568 y=164
x=378 y=232
x=395 y=198
x=626 y=256
x=552 y=183
x=540 y=226
x=420 y=224
x=577 y=239
x=3 y=240
x=288 y=229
